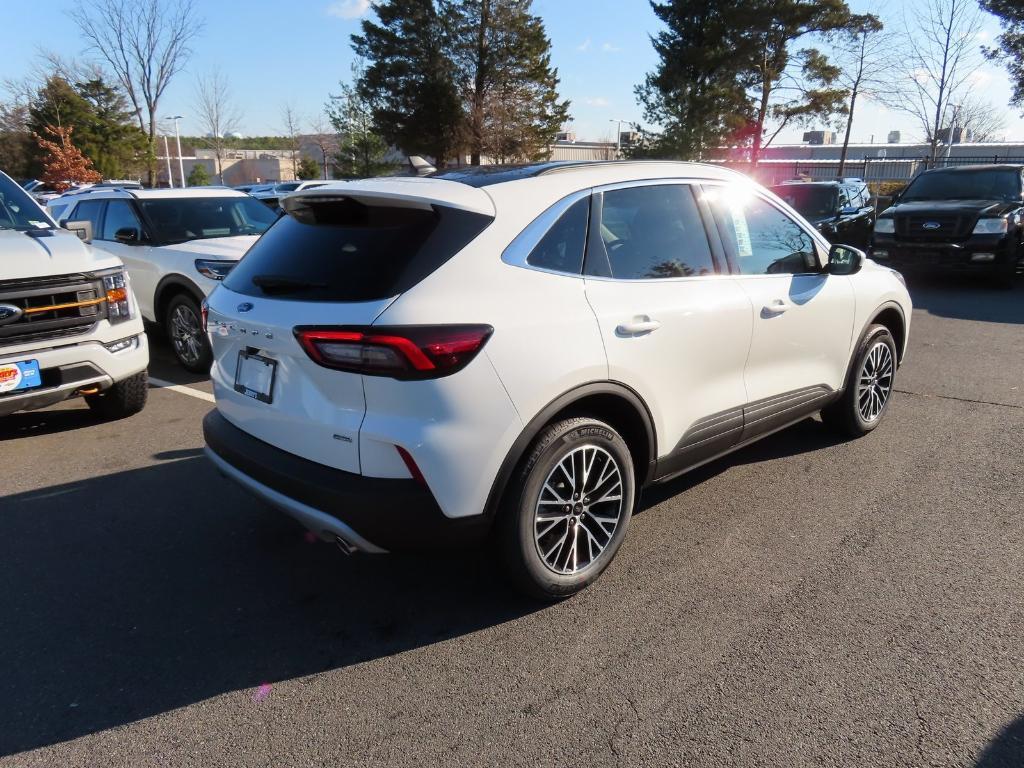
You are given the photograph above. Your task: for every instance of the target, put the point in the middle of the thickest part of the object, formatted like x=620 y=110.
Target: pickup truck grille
x=52 y=307
x=918 y=227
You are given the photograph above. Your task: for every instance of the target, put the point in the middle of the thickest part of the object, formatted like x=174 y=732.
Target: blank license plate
x=254 y=376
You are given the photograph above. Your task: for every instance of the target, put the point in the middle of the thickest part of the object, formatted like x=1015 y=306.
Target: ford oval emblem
x=245 y=306
x=9 y=313
x=931 y=225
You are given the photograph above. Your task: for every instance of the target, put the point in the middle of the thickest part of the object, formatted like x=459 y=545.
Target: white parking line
x=182 y=389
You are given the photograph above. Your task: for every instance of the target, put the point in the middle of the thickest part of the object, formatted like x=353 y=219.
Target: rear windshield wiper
x=272 y=283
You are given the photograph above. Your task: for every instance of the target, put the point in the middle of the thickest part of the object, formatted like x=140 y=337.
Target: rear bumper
x=371 y=514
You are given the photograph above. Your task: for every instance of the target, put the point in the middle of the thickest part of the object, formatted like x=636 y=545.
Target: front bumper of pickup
x=979 y=253
x=76 y=368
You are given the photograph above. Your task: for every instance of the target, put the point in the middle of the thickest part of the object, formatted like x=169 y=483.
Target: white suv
x=416 y=362
x=177 y=245
x=69 y=324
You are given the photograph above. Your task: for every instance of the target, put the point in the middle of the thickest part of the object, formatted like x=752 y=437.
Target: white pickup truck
x=69 y=323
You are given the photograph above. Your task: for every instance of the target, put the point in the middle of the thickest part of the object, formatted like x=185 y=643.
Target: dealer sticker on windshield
x=740 y=228
x=23 y=375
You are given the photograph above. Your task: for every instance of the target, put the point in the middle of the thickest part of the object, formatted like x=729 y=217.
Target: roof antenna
x=420 y=167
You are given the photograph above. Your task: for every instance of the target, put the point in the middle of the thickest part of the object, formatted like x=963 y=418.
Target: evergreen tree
x=786 y=85
x=362 y=152
x=697 y=91
x=308 y=168
x=1010 y=48
x=509 y=88
x=409 y=80
x=198 y=176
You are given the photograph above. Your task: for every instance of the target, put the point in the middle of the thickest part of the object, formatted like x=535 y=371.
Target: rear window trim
x=517 y=253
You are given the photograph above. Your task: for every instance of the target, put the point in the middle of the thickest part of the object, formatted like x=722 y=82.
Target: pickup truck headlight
x=991 y=227
x=215 y=270
x=115 y=286
x=885 y=226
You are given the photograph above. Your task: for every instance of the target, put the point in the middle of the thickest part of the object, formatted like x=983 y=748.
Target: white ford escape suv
x=417 y=362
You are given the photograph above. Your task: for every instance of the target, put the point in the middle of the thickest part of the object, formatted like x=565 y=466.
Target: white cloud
x=609 y=48
x=596 y=101
x=979 y=78
x=349 y=9
x=584 y=46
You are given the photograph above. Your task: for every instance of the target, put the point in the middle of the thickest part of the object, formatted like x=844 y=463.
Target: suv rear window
x=341 y=249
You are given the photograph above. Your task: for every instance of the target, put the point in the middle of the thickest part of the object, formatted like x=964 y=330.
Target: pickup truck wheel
x=185 y=332
x=567 y=509
x=125 y=398
x=869 y=386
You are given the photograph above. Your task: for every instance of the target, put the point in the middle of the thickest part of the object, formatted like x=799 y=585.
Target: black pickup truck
x=966 y=219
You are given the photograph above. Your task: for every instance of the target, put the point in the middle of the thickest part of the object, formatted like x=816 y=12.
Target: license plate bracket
x=254 y=376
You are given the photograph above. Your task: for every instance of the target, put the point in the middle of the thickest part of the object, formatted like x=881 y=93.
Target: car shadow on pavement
x=46 y=421
x=132 y=594
x=803 y=437
x=966 y=297
x=1007 y=749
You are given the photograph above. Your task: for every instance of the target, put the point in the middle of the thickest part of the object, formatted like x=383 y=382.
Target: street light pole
x=618 y=136
x=167 y=157
x=177 y=138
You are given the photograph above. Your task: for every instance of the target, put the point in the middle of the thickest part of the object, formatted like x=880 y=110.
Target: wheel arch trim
x=543 y=417
x=168 y=286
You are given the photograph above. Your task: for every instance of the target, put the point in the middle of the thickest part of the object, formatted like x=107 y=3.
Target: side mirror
x=81 y=228
x=844 y=260
x=127 y=235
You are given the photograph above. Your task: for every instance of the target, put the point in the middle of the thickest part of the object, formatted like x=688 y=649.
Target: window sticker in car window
x=739 y=226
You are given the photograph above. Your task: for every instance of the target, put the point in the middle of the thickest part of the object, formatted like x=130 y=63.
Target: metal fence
x=898 y=170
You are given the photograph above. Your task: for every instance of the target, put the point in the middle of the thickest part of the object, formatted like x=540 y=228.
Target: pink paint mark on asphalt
x=262 y=692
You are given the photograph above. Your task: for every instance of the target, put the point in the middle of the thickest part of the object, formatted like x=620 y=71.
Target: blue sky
x=275 y=52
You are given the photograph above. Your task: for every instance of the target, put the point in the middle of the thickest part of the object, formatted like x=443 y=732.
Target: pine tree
x=509 y=88
x=198 y=176
x=308 y=168
x=1010 y=44
x=698 y=90
x=362 y=152
x=409 y=79
x=63 y=163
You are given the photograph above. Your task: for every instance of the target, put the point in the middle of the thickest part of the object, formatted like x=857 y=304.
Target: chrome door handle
x=638 y=326
x=777 y=307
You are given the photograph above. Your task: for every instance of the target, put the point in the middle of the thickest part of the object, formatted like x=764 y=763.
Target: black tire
x=1005 y=277
x=183 y=324
x=846 y=415
x=584 y=439
x=125 y=398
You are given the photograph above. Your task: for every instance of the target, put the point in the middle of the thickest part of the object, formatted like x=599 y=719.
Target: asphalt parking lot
x=807 y=601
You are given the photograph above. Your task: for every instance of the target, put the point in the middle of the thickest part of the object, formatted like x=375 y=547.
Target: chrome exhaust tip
x=346 y=547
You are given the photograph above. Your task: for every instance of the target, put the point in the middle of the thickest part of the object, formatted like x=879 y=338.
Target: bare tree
x=291 y=125
x=145 y=43
x=940 y=38
x=866 y=61
x=983 y=119
x=217 y=113
x=324 y=139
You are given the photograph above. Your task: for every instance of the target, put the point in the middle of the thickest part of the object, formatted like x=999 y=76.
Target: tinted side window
x=762 y=239
x=119 y=216
x=89 y=210
x=561 y=249
x=651 y=232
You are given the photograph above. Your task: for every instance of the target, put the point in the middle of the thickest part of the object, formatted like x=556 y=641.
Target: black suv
x=840 y=210
x=966 y=218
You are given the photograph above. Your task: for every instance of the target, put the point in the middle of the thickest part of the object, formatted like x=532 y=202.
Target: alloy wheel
x=186 y=334
x=875 y=383
x=578 y=510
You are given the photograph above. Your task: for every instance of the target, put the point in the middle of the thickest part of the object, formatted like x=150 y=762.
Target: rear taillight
x=401 y=352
